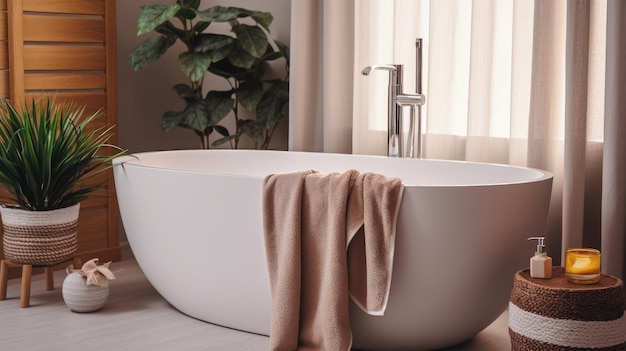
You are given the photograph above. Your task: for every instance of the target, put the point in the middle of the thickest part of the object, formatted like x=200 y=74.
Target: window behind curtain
x=477 y=72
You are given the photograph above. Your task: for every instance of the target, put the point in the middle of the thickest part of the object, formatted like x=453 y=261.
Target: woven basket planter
x=39 y=238
x=553 y=314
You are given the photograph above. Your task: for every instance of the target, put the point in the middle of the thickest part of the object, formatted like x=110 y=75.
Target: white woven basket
x=39 y=238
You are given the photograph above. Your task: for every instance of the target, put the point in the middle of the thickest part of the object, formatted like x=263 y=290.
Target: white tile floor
x=137 y=318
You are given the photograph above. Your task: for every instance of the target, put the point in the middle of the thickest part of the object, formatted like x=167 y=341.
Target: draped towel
x=328 y=238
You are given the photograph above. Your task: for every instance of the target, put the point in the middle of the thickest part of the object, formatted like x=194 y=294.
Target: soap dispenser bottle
x=541 y=263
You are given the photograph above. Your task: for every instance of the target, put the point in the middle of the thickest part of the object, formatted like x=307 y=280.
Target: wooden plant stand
x=27 y=271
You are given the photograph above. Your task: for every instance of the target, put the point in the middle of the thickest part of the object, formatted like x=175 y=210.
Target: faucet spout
x=368 y=70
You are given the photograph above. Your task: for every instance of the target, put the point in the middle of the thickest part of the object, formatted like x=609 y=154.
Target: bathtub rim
x=134 y=159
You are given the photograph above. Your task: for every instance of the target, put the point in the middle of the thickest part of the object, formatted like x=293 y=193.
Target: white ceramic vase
x=80 y=297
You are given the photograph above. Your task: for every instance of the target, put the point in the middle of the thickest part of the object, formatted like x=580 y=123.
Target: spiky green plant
x=47 y=149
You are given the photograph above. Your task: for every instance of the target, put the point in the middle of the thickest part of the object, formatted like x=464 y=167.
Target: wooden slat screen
x=67 y=49
x=64 y=29
x=63 y=58
x=74 y=80
x=90 y=7
x=4 y=49
x=4 y=32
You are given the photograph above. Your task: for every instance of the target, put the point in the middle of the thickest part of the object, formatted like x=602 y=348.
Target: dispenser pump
x=540 y=244
x=540 y=263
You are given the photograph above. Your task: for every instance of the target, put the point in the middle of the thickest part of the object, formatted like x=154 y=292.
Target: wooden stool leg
x=27 y=271
x=49 y=271
x=4 y=276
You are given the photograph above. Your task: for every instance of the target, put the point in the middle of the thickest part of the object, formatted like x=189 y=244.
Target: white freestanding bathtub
x=193 y=219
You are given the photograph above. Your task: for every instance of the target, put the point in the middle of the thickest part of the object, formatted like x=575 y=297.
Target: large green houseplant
x=49 y=154
x=242 y=59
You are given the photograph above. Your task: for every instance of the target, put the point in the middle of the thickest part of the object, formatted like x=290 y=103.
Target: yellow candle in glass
x=582 y=266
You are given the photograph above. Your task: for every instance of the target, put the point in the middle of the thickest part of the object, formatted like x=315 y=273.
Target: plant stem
x=268 y=137
x=204 y=139
x=236 y=112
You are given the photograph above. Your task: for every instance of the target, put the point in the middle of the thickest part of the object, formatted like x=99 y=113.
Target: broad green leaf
x=249 y=94
x=222 y=130
x=271 y=56
x=223 y=140
x=200 y=26
x=168 y=29
x=284 y=49
x=254 y=130
x=226 y=69
x=263 y=18
x=219 y=105
x=194 y=64
x=260 y=70
x=186 y=14
x=149 y=51
x=185 y=92
x=219 y=14
x=242 y=59
x=217 y=46
x=251 y=38
x=270 y=108
x=285 y=111
x=170 y=120
x=192 y=4
x=194 y=116
x=153 y=15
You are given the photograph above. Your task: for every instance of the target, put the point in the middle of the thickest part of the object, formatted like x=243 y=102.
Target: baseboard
x=127 y=252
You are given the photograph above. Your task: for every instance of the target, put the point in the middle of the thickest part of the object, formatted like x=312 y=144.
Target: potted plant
x=48 y=153
x=242 y=59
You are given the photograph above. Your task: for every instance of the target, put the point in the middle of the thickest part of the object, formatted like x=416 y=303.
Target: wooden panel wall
x=4 y=49
x=66 y=49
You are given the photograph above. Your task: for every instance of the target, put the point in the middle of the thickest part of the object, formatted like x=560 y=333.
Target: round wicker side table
x=554 y=314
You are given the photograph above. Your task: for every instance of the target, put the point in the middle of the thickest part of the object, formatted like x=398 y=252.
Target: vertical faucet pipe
x=394 y=136
x=414 y=138
x=418 y=91
x=395 y=113
x=410 y=140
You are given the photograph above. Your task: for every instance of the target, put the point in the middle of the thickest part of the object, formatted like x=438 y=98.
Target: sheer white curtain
x=477 y=69
x=321 y=75
x=614 y=150
x=533 y=83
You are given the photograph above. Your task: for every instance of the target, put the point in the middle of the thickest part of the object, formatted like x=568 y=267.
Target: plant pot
x=80 y=297
x=39 y=238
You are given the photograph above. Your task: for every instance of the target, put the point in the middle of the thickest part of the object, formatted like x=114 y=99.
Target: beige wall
x=145 y=95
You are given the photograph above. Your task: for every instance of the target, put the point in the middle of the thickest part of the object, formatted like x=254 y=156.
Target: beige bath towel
x=310 y=220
